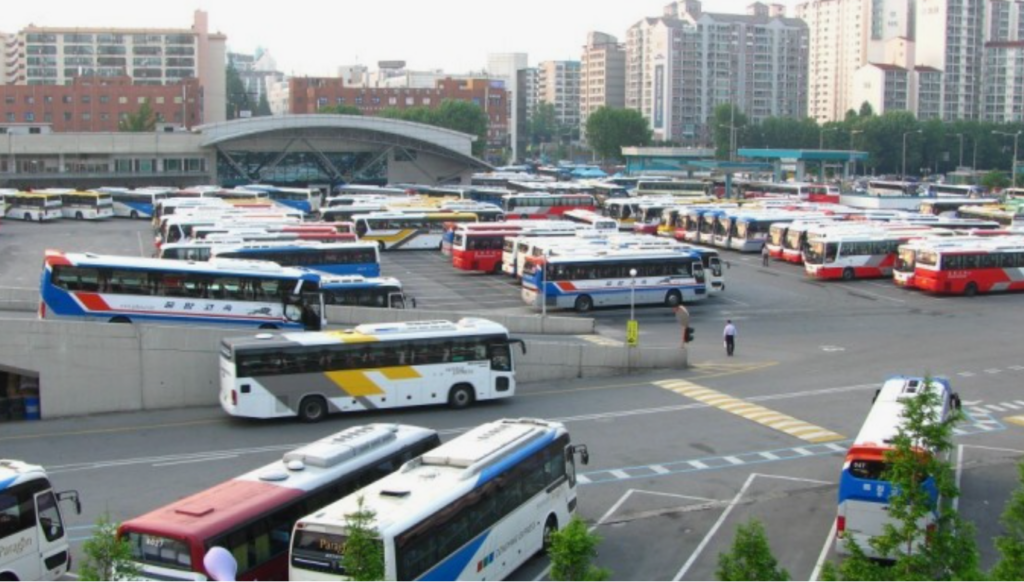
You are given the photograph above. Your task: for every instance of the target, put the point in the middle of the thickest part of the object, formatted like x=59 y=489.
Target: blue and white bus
x=863 y=489
x=263 y=295
x=359 y=291
x=140 y=203
x=475 y=508
x=306 y=200
x=334 y=258
x=614 y=278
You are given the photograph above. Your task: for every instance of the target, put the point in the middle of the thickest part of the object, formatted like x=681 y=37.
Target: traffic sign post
x=632 y=333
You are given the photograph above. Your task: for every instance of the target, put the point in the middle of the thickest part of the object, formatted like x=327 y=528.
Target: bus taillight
x=234 y=397
x=840 y=525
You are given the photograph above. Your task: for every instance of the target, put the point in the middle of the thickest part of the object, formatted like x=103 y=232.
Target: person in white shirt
x=730 y=337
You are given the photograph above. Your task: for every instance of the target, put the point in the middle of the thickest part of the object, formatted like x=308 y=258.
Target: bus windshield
x=160 y=551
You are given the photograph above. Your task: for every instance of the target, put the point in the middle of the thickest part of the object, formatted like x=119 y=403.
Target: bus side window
x=49 y=516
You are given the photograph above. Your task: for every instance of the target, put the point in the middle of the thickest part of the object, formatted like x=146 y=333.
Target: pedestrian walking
x=764 y=256
x=683 y=317
x=730 y=337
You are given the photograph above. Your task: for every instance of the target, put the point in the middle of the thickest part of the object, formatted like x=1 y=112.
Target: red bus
x=857 y=255
x=480 y=250
x=544 y=205
x=990 y=265
x=252 y=516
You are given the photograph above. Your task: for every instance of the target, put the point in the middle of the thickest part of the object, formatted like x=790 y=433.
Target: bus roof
x=369 y=333
x=13 y=472
x=885 y=417
x=426 y=484
x=224 y=506
x=225 y=266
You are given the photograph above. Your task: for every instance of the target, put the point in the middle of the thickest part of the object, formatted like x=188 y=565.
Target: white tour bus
x=475 y=508
x=33 y=538
x=33 y=206
x=371 y=367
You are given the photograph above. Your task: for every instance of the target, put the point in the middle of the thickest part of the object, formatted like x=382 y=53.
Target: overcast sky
x=315 y=37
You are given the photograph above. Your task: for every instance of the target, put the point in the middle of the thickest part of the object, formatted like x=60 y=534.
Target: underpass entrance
x=19 y=395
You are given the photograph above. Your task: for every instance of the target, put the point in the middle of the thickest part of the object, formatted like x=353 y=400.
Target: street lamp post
x=1013 y=165
x=961 y=136
x=853 y=159
x=821 y=136
x=903 y=175
x=632 y=294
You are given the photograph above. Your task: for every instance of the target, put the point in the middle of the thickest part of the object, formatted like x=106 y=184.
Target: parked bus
x=990 y=265
x=310 y=375
x=903 y=273
x=604 y=279
x=398 y=230
x=170 y=206
x=359 y=291
x=605 y=192
x=1005 y=216
x=952 y=190
x=361 y=258
x=673 y=188
x=484 y=211
x=33 y=206
x=305 y=200
x=856 y=255
x=220 y=292
x=514 y=250
x=864 y=490
x=591 y=219
x=892 y=188
x=950 y=206
x=252 y=515
x=797 y=234
x=544 y=205
x=749 y=232
x=134 y=204
x=480 y=250
x=86 y=205
x=475 y=508
x=33 y=537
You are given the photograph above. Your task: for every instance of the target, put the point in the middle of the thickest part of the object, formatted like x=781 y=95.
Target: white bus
x=140 y=203
x=33 y=206
x=371 y=367
x=398 y=230
x=593 y=220
x=475 y=508
x=33 y=538
x=86 y=205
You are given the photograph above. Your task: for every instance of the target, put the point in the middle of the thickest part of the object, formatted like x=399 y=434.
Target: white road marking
x=714 y=529
x=824 y=553
x=200 y=460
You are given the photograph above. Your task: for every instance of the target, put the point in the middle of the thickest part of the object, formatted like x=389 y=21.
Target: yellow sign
x=632 y=333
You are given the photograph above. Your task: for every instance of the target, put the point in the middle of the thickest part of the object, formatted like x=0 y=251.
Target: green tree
x=263 y=109
x=571 y=552
x=946 y=551
x=341 y=110
x=543 y=125
x=363 y=557
x=609 y=130
x=727 y=118
x=1011 y=544
x=750 y=557
x=866 y=110
x=462 y=116
x=237 y=97
x=995 y=180
x=141 y=121
x=104 y=556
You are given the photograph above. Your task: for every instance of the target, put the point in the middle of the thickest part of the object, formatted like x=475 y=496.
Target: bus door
x=398 y=300
x=314 y=316
x=53 y=543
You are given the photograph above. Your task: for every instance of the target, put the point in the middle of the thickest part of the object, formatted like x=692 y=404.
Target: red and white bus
x=857 y=255
x=987 y=266
x=252 y=516
x=795 y=239
x=480 y=250
x=544 y=205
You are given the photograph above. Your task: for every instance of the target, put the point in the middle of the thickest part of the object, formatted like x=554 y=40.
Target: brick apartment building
x=97 y=104
x=311 y=94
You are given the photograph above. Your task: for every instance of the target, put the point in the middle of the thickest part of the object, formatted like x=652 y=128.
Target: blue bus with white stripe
x=475 y=508
x=139 y=203
x=864 y=491
x=306 y=200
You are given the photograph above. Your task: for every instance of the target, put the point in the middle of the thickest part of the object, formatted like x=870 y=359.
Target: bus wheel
x=584 y=303
x=673 y=298
x=28 y=217
x=460 y=396
x=78 y=216
x=848 y=274
x=312 y=409
x=120 y=319
x=971 y=289
x=380 y=245
x=550 y=527
x=268 y=326
x=134 y=215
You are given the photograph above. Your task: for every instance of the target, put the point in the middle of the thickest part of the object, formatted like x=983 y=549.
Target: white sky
x=315 y=37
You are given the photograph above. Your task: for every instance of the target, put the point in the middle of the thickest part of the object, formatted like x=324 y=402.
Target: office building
x=148 y=57
x=602 y=75
x=558 y=84
x=506 y=67
x=682 y=65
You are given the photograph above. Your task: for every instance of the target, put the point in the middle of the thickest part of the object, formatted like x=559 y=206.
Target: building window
x=47 y=98
x=122 y=100
x=159 y=100
x=10 y=117
x=104 y=98
x=86 y=117
x=392 y=101
x=86 y=99
x=104 y=117
x=9 y=100
x=141 y=100
x=30 y=117
x=67 y=117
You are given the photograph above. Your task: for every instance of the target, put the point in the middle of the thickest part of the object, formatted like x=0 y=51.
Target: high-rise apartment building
x=951 y=40
x=558 y=84
x=58 y=55
x=506 y=67
x=843 y=36
x=602 y=75
x=681 y=66
x=1003 y=62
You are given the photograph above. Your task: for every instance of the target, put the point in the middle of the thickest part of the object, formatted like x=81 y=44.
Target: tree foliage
x=142 y=120
x=237 y=97
x=995 y=180
x=263 y=109
x=104 y=557
x=750 y=557
x=727 y=118
x=609 y=130
x=571 y=552
x=946 y=551
x=363 y=557
x=341 y=110
x=1011 y=544
x=450 y=114
x=543 y=125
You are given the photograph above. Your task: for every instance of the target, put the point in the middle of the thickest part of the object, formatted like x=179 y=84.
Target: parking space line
x=753 y=412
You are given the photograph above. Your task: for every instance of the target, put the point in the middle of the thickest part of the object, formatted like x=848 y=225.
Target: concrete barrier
x=19 y=299
x=524 y=324
x=92 y=368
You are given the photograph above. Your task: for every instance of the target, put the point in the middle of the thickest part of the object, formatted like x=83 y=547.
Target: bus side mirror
x=73 y=497
x=956 y=401
x=582 y=451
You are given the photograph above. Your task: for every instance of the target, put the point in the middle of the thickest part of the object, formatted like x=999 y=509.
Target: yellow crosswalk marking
x=759 y=414
x=601 y=340
x=1019 y=420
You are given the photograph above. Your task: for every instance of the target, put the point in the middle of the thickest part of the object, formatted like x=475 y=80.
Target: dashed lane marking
x=759 y=414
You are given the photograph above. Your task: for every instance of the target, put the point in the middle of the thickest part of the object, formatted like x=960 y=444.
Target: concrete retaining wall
x=526 y=324
x=17 y=299
x=91 y=368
